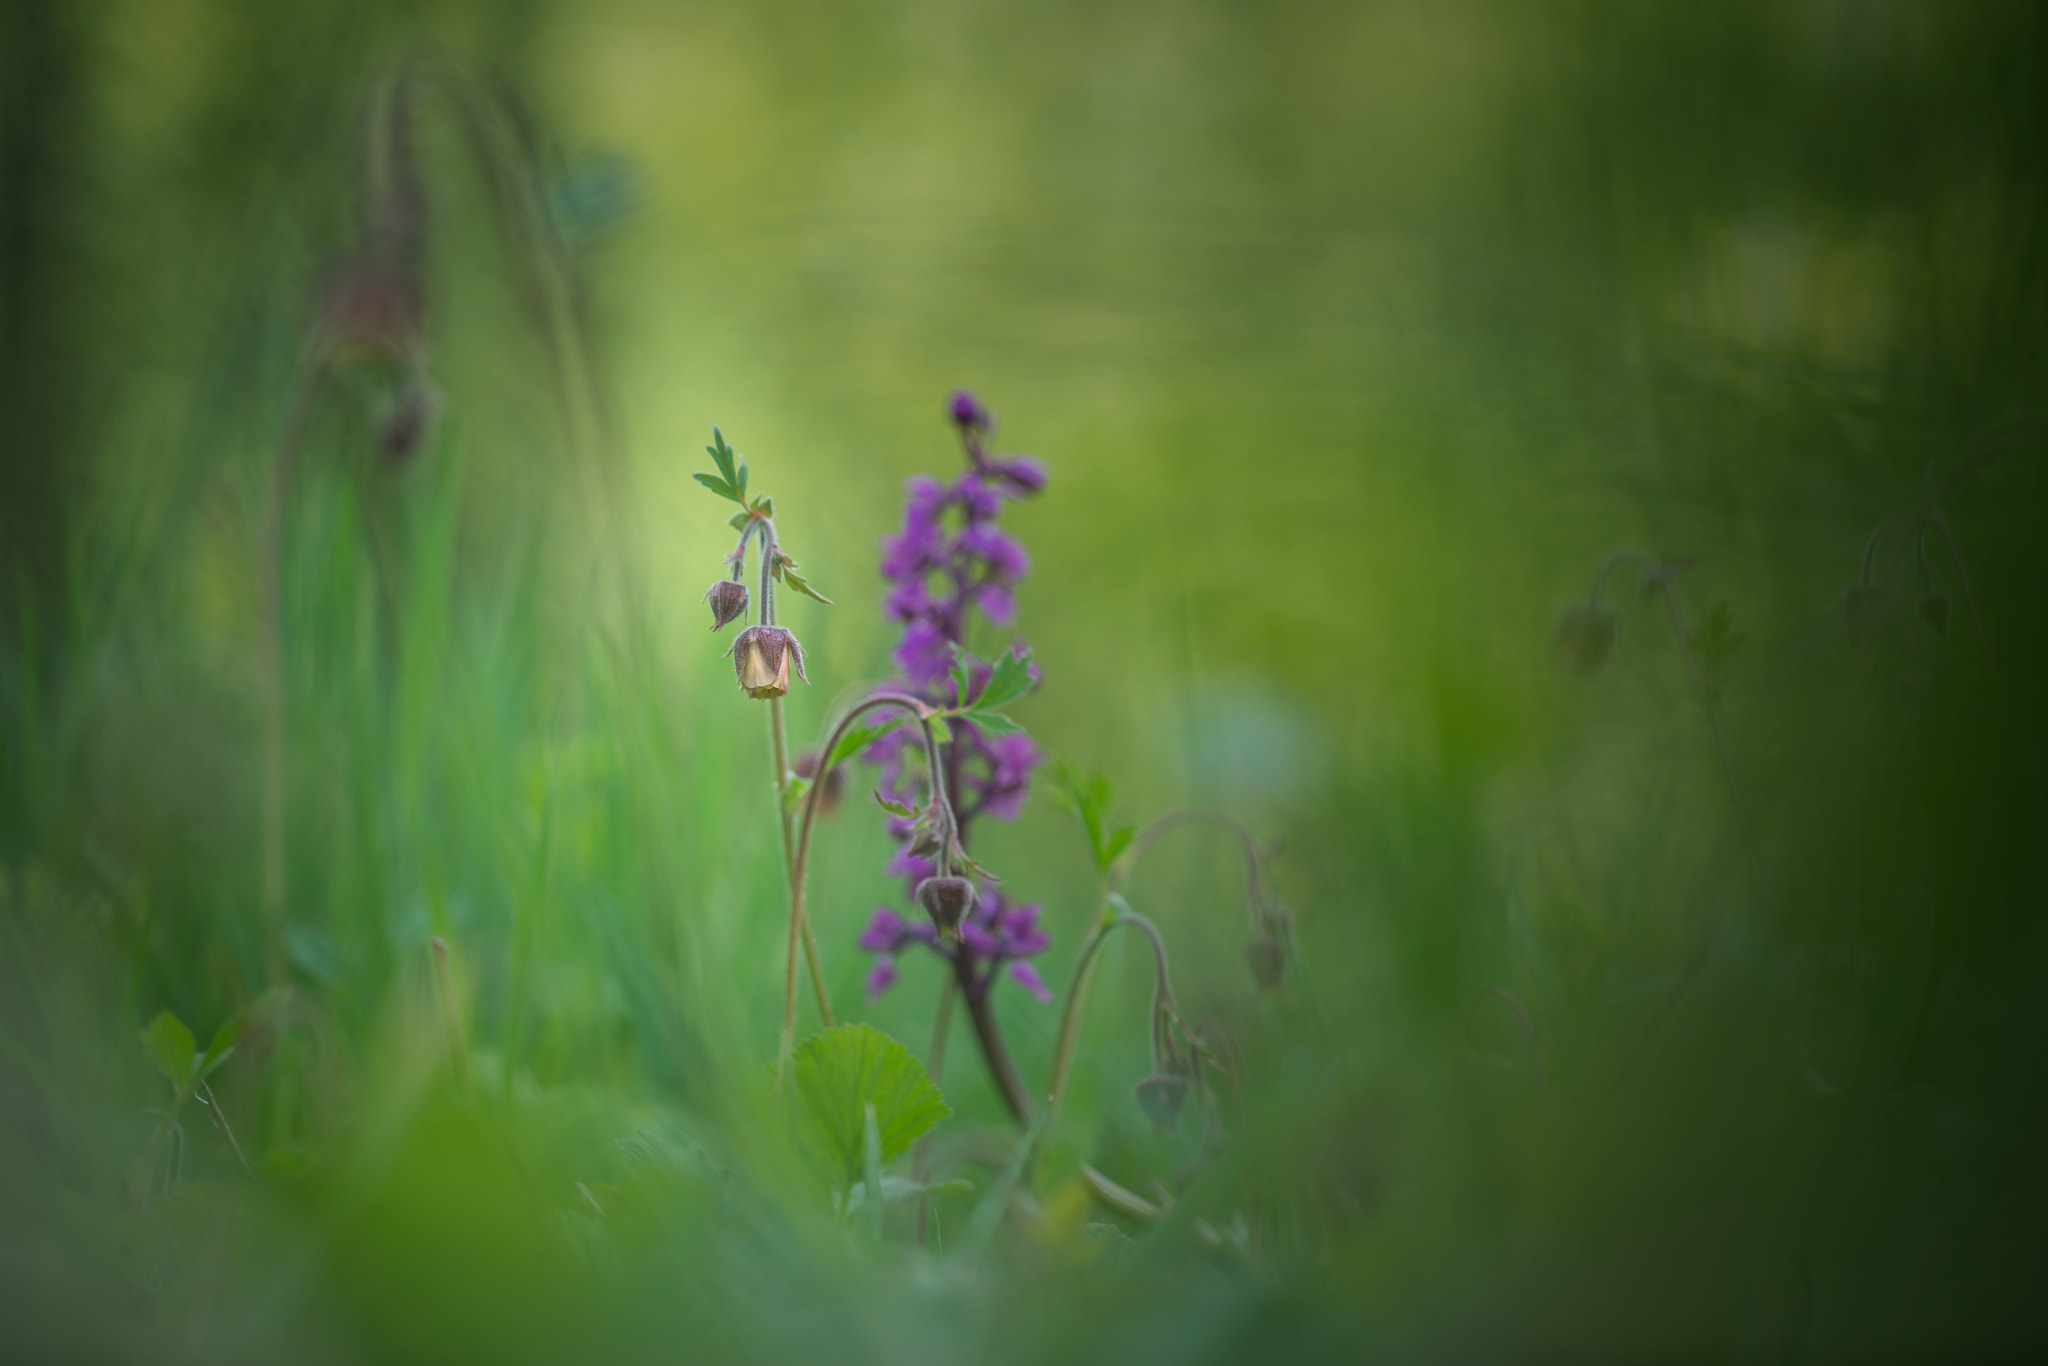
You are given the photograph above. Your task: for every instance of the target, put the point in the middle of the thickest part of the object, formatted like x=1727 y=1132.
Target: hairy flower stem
x=283 y=463
x=798 y=928
x=786 y=819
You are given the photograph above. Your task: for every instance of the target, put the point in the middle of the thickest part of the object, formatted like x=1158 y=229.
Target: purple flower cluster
x=951 y=560
x=997 y=936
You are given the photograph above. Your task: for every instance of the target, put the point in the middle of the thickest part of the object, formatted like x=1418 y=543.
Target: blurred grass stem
x=283 y=465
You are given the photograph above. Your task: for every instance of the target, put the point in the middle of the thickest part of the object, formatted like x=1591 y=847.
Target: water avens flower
x=947 y=900
x=1585 y=636
x=1161 y=1096
x=728 y=599
x=761 y=659
x=1267 y=960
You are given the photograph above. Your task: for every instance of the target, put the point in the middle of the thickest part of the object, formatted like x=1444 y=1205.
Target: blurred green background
x=1689 y=1009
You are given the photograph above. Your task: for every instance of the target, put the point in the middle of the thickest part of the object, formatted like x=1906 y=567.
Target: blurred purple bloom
x=966 y=411
x=949 y=560
x=996 y=938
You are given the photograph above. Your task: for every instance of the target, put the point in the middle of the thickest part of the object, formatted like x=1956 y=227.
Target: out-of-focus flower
x=1160 y=1096
x=996 y=937
x=1585 y=636
x=947 y=900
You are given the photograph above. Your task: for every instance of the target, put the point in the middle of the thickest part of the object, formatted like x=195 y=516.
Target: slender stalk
x=997 y=1053
x=801 y=861
x=451 y=1019
x=1069 y=1037
x=1254 y=891
x=786 y=819
x=283 y=463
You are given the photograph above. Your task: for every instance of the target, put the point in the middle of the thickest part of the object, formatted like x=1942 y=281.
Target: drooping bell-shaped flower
x=761 y=658
x=728 y=599
x=1585 y=637
x=947 y=900
x=1160 y=1096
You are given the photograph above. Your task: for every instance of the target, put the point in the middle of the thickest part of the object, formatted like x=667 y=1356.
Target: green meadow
x=1567 y=481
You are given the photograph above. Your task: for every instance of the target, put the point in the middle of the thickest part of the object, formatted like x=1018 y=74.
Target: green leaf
x=169 y=1045
x=765 y=505
x=1119 y=840
x=793 y=795
x=962 y=672
x=1010 y=681
x=794 y=580
x=722 y=455
x=838 y=1074
x=897 y=809
x=717 y=486
x=897 y=1189
x=991 y=723
x=871 y=1168
x=854 y=741
x=231 y=1030
x=738 y=521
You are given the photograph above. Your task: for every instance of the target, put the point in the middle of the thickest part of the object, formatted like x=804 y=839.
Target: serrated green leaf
x=1010 y=680
x=962 y=673
x=854 y=741
x=839 y=1073
x=897 y=809
x=169 y=1045
x=717 y=485
x=722 y=455
x=993 y=724
x=790 y=577
x=1118 y=841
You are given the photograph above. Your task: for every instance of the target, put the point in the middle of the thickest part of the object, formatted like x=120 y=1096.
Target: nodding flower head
x=728 y=599
x=967 y=412
x=404 y=428
x=1160 y=1096
x=1267 y=959
x=947 y=900
x=1585 y=636
x=761 y=656
x=1934 y=611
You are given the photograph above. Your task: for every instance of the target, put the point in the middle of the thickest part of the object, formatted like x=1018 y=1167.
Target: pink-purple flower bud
x=967 y=412
x=728 y=599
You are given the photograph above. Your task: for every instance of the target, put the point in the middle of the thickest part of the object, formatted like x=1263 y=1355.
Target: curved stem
x=785 y=819
x=1254 y=889
x=798 y=928
x=1617 y=557
x=1067 y=1040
